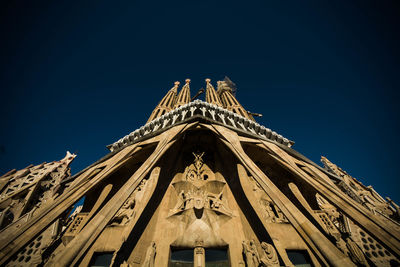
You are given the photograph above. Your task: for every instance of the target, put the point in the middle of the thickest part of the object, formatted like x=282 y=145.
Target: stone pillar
x=199 y=255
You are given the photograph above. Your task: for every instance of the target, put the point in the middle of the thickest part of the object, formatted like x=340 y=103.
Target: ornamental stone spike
x=166 y=104
x=211 y=94
x=184 y=95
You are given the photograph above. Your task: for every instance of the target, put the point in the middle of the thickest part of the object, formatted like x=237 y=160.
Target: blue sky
x=79 y=75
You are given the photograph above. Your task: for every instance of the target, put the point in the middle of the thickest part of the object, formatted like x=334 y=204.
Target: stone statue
x=269 y=256
x=268 y=212
x=250 y=251
x=126 y=212
x=150 y=255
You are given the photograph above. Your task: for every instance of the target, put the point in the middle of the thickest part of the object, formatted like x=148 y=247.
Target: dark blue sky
x=79 y=75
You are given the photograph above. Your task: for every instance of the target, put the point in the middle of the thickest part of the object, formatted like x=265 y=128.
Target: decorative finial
x=175 y=87
x=187 y=80
x=208 y=80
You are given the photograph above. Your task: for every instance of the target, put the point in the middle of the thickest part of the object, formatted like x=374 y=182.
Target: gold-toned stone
x=197 y=185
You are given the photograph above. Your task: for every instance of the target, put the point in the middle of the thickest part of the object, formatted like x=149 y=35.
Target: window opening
x=101 y=259
x=299 y=258
x=217 y=258
x=181 y=258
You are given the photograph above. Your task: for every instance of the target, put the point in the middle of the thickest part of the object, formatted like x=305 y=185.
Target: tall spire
x=166 y=104
x=211 y=95
x=229 y=101
x=184 y=95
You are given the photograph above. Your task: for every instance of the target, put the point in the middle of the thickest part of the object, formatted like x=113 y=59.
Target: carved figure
x=356 y=253
x=269 y=256
x=141 y=185
x=250 y=251
x=181 y=202
x=268 y=212
x=196 y=172
x=126 y=212
x=150 y=255
x=364 y=195
x=327 y=207
x=198 y=162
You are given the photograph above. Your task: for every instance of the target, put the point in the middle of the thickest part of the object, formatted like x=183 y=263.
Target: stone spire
x=184 y=95
x=22 y=192
x=229 y=101
x=197 y=178
x=211 y=95
x=166 y=104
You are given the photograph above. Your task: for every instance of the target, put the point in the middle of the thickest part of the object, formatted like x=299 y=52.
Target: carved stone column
x=199 y=255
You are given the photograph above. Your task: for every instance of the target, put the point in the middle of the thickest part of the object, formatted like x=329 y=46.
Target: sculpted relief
x=201 y=205
x=349 y=237
x=359 y=245
x=127 y=211
x=365 y=195
x=268 y=257
x=270 y=211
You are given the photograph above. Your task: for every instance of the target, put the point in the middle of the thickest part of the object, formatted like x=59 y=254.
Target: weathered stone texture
x=199 y=184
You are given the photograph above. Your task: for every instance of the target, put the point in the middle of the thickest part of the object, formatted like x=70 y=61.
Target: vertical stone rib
x=75 y=249
x=211 y=95
x=184 y=95
x=166 y=104
x=325 y=250
x=230 y=102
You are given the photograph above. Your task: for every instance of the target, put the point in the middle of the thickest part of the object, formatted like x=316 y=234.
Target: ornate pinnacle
x=208 y=80
x=175 y=88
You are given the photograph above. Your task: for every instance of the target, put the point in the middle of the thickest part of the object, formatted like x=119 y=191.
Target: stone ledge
x=207 y=111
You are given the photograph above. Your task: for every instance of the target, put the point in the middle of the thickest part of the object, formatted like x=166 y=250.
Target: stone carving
x=327 y=217
x=197 y=171
x=199 y=254
x=365 y=195
x=251 y=255
x=271 y=212
x=197 y=192
x=372 y=249
x=198 y=162
x=214 y=113
x=328 y=208
x=198 y=198
x=358 y=245
x=32 y=253
x=356 y=253
x=127 y=211
x=395 y=208
x=200 y=206
x=333 y=222
x=25 y=191
x=150 y=255
x=269 y=256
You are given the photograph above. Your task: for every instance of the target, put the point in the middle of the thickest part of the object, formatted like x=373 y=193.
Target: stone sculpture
x=251 y=255
x=269 y=257
x=150 y=255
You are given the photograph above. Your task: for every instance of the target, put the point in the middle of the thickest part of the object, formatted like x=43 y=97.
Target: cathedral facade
x=200 y=184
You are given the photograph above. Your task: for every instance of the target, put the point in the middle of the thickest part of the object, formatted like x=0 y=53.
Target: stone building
x=201 y=184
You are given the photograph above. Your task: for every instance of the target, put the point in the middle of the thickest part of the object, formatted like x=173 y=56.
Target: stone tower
x=200 y=184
